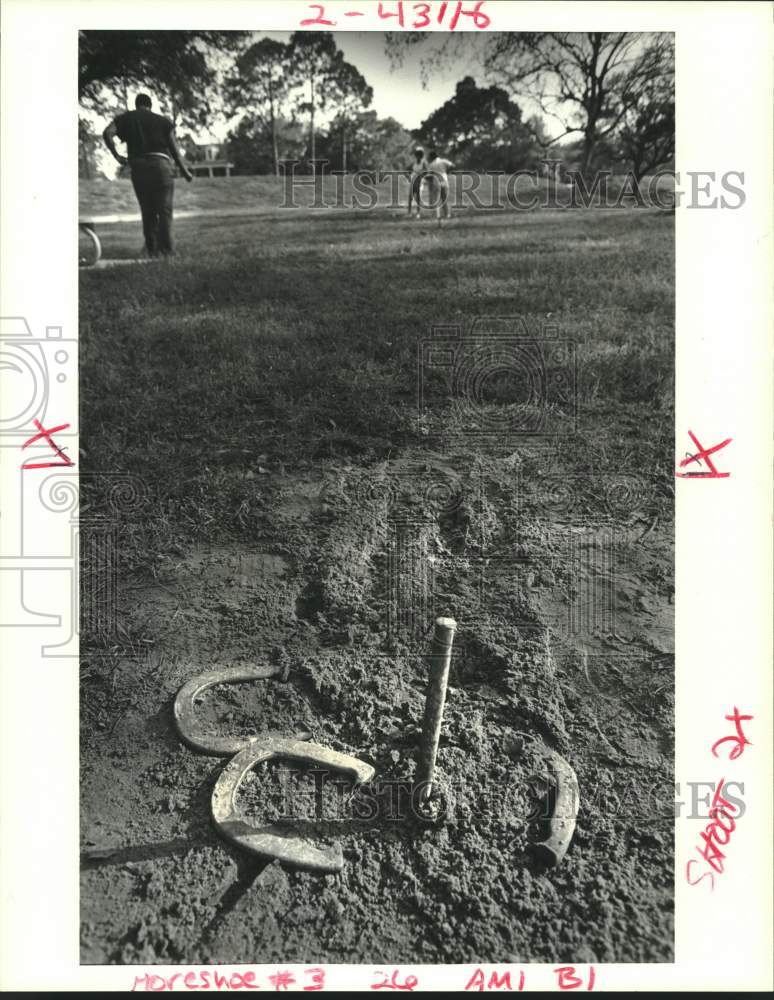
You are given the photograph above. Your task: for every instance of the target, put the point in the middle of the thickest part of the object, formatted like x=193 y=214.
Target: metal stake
x=439 y=660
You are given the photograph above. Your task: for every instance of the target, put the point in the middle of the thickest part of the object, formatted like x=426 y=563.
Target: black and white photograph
x=376 y=346
x=385 y=496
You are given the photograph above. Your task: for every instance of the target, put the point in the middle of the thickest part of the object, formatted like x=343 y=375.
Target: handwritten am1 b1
x=566 y=979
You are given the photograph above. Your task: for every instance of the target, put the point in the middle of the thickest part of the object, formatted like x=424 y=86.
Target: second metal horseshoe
x=184 y=711
x=273 y=841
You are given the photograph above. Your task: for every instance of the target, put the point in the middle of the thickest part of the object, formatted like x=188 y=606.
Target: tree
x=260 y=88
x=373 y=143
x=647 y=135
x=175 y=66
x=332 y=82
x=88 y=144
x=479 y=127
x=250 y=144
x=588 y=82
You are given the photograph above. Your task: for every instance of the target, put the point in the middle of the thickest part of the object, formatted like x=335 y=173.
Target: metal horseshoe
x=565 y=813
x=220 y=746
x=273 y=841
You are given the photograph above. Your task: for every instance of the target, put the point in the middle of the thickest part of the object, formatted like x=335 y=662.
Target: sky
x=399 y=93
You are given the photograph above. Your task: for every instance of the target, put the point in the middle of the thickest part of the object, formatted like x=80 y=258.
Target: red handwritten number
x=392 y=984
x=45 y=433
x=740 y=741
x=480 y=19
x=384 y=14
x=318 y=978
x=425 y=14
x=320 y=19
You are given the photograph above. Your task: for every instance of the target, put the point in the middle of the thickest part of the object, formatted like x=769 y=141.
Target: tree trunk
x=85 y=161
x=274 y=150
x=344 y=149
x=588 y=149
x=311 y=125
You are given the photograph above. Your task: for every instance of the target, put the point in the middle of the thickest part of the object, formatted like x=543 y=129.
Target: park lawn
x=246 y=384
x=262 y=195
x=297 y=337
x=265 y=195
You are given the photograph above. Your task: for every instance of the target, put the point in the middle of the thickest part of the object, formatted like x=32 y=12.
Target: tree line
x=604 y=100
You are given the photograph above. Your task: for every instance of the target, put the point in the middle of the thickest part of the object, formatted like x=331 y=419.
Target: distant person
x=151 y=151
x=438 y=173
x=418 y=174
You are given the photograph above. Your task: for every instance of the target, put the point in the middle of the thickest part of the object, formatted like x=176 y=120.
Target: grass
x=295 y=338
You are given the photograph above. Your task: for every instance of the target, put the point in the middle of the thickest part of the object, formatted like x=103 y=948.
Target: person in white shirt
x=438 y=171
x=418 y=175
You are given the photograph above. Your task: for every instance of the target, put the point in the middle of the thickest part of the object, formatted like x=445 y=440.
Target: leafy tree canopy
x=479 y=128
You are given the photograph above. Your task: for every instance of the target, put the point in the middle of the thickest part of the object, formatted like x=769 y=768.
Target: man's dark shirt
x=144 y=132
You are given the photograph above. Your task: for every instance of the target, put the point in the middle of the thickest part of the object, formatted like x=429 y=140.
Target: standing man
x=438 y=171
x=151 y=151
x=418 y=172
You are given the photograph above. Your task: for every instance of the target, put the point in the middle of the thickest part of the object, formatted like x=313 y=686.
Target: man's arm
x=177 y=157
x=109 y=135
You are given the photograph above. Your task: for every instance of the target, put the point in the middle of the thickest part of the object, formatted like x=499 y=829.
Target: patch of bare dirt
x=565 y=644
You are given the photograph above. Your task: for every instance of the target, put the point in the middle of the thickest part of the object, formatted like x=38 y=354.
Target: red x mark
x=46 y=434
x=703 y=455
